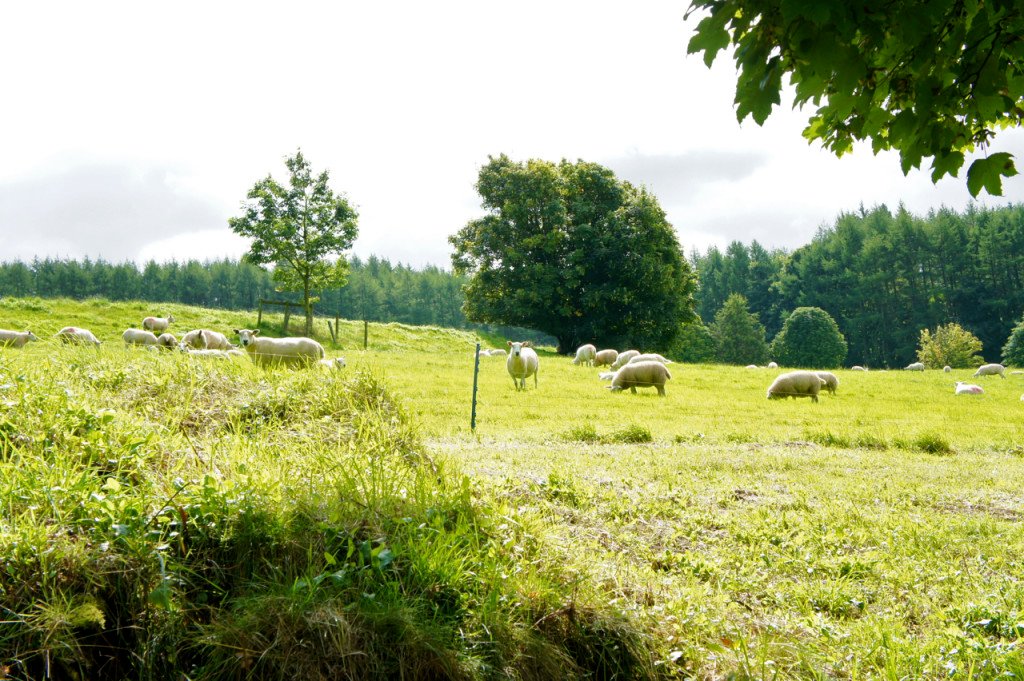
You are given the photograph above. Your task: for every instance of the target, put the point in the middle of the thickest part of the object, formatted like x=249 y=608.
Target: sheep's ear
x=526 y=344
x=237 y=332
x=510 y=343
x=256 y=332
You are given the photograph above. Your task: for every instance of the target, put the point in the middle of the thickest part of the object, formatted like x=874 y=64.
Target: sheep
x=857 y=367
x=167 y=341
x=605 y=357
x=990 y=370
x=963 y=388
x=916 y=366
x=585 y=355
x=831 y=382
x=292 y=351
x=796 y=384
x=751 y=366
x=521 y=363
x=76 y=335
x=205 y=339
x=649 y=357
x=624 y=357
x=641 y=375
x=16 y=339
x=139 y=337
x=496 y=352
x=606 y=375
x=157 y=323
x=333 y=363
x=773 y=365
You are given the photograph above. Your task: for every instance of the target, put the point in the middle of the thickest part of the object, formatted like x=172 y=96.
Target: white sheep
x=751 y=366
x=293 y=351
x=641 y=375
x=139 y=337
x=606 y=375
x=857 y=367
x=167 y=340
x=916 y=366
x=796 y=384
x=605 y=357
x=991 y=370
x=947 y=368
x=522 y=362
x=204 y=339
x=157 y=324
x=648 y=357
x=773 y=365
x=76 y=336
x=624 y=357
x=585 y=355
x=963 y=388
x=829 y=380
x=333 y=363
x=16 y=339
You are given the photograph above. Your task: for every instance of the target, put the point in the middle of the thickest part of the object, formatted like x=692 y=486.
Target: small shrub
x=828 y=439
x=932 y=443
x=582 y=433
x=631 y=434
x=950 y=345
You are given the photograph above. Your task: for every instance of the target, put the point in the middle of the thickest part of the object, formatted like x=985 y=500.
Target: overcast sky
x=133 y=130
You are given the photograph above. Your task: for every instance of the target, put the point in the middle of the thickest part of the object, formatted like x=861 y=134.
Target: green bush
x=739 y=336
x=949 y=345
x=809 y=338
x=1013 y=351
x=694 y=343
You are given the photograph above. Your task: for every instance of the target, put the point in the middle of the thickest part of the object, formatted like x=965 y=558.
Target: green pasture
x=577 y=533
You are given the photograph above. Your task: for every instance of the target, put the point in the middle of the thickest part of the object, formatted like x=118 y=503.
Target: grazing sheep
x=963 y=388
x=916 y=366
x=649 y=357
x=585 y=355
x=857 y=367
x=521 y=363
x=293 y=351
x=605 y=357
x=796 y=384
x=167 y=340
x=16 y=339
x=830 y=381
x=990 y=370
x=641 y=375
x=139 y=337
x=333 y=363
x=75 y=335
x=751 y=366
x=204 y=339
x=157 y=324
x=773 y=365
x=624 y=357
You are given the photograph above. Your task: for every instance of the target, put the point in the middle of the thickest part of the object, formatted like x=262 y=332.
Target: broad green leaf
x=710 y=37
x=947 y=164
x=988 y=173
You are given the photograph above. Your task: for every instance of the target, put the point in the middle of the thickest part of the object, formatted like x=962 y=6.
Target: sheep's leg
x=534 y=379
x=632 y=389
x=814 y=398
x=661 y=390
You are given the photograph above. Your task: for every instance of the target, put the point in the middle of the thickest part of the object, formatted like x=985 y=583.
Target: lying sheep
x=963 y=388
x=157 y=324
x=829 y=380
x=16 y=339
x=796 y=384
x=522 y=362
x=649 y=357
x=139 y=337
x=991 y=370
x=773 y=365
x=624 y=357
x=916 y=366
x=74 y=335
x=166 y=340
x=204 y=339
x=605 y=357
x=585 y=355
x=641 y=375
x=495 y=352
x=857 y=367
x=333 y=363
x=947 y=368
x=606 y=375
x=294 y=351
x=751 y=366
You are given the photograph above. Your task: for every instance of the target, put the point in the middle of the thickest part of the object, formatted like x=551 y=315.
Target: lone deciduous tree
x=809 y=338
x=950 y=344
x=296 y=228
x=739 y=335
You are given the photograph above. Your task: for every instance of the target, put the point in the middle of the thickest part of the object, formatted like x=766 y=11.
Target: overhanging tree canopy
x=928 y=78
x=570 y=250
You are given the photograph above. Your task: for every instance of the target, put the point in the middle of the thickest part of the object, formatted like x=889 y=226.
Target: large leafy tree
x=572 y=251
x=1013 y=351
x=809 y=338
x=297 y=228
x=928 y=78
x=950 y=344
x=739 y=336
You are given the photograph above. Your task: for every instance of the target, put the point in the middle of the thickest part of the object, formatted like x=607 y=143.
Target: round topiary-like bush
x=809 y=338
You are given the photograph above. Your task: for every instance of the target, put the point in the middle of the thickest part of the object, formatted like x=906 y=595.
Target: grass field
x=709 y=534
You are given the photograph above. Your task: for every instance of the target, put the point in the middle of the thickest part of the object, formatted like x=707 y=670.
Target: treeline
x=883 y=277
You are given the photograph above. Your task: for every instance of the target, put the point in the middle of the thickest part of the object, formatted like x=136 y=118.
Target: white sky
x=133 y=130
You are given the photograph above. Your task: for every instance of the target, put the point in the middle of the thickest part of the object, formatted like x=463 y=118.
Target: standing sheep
x=648 y=357
x=991 y=370
x=585 y=355
x=522 y=362
x=641 y=375
x=796 y=384
x=294 y=351
x=624 y=357
x=16 y=339
x=829 y=380
x=605 y=357
x=157 y=324
x=139 y=337
x=76 y=336
x=916 y=366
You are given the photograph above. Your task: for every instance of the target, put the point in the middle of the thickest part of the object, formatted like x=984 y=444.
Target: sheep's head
x=32 y=336
x=247 y=336
x=516 y=349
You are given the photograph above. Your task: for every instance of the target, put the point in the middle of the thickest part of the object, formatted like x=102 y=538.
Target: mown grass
x=709 y=534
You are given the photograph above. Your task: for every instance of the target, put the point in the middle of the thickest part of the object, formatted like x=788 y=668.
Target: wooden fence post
x=366 y=333
x=476 y=372
x=259 y=317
